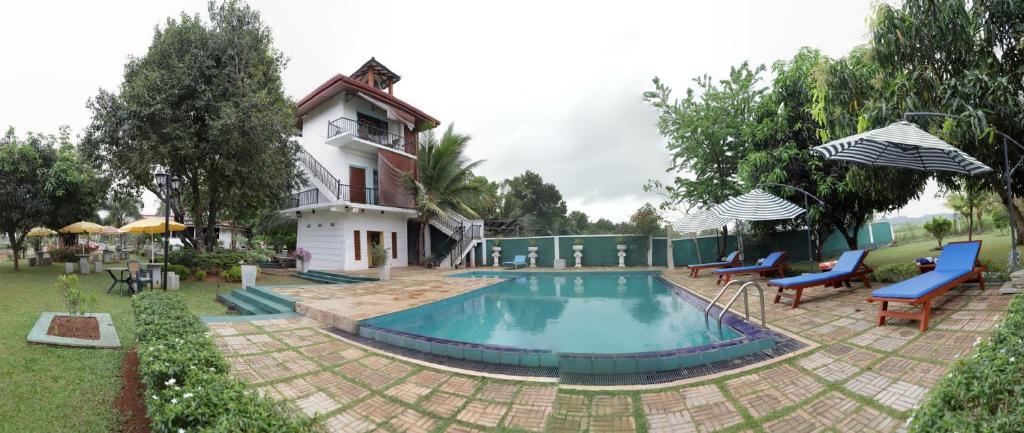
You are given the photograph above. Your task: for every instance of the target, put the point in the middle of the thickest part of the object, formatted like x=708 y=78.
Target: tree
x=445 y=179
x=646 y=223
x=602 y=225
x=709 y=132
x=577 y=223
x=542 y=202
x=970 y=202
x=965 y=59
x=120 y=208
x=938 y=227
x=206 y=101
x=45 y=182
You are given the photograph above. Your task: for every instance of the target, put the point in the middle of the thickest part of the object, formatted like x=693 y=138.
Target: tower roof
x=382 y=76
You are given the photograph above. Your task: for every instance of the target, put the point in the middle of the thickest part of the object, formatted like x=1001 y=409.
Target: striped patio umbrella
x=700 y=221
x=902 y=144
x=757 y=205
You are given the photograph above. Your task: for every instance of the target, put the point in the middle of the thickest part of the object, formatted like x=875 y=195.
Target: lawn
x=54 y=389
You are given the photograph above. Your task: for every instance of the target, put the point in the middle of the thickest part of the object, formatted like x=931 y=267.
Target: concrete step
x=343 y=276
x=239 y=305
x=264 y=292
x=268 y=306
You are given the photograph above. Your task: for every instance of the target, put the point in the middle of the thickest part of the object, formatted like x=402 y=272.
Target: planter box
x=108 y=335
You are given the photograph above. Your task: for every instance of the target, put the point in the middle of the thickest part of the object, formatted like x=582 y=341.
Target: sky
x=550 y=86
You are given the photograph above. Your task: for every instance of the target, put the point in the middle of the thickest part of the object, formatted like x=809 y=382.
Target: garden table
x=154 y=269
x=122 y=277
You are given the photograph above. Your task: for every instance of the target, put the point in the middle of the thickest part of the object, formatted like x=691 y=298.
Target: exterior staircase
x=257 y=300
x=464 y=234
x=323 y=277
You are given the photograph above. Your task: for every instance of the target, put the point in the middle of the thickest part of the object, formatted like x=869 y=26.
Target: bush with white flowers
x=187 y=385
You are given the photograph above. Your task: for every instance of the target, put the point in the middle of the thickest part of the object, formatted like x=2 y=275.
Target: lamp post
x=810 y=243
x=167 y=183
x=1007 y=175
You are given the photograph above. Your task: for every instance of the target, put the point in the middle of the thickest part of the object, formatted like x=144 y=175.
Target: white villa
x=358 y=143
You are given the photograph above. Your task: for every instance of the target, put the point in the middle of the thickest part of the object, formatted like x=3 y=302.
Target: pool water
x=585 y=312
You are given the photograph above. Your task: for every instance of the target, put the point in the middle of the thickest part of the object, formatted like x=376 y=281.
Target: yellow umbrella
x=83 y=227
x=151 y=226
x=40 y=232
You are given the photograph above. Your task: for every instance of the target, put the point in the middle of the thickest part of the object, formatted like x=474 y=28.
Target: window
x=394 y=245
x=359 y=247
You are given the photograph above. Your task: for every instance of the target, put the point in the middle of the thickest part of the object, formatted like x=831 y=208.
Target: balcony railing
x=318 y=170
x=357 y=194
x=311 y=196
x=368 y=132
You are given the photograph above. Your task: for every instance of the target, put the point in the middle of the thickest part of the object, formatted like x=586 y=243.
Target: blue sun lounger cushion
x=768 y=262
x=846 y=265
x=955 y=261
x=728 y=259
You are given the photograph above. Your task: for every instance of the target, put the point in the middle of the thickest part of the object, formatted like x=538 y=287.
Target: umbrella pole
x=696 y=245
x=810 y=246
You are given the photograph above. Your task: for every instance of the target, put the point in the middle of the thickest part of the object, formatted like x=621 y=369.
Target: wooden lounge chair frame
x=778 y=269
x=695 y=268
x=922 y=315
x=860 y=273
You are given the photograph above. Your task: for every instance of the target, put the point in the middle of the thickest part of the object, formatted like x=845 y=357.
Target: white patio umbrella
x=697 y=222
x=757 y=205
x=902 y=144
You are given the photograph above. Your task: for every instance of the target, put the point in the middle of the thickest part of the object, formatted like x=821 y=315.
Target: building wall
x=329 y=237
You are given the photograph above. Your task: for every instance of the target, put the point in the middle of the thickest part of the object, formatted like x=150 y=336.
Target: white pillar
x=557 y=256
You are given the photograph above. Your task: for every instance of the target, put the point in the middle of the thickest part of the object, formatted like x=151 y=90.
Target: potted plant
x=304 y=257
x=577 y=246
x=496 y=252
x=620 y=244
x=382 y=257
x=533 y=253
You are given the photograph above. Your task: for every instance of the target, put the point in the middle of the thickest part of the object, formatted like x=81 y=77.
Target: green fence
x=600 y=250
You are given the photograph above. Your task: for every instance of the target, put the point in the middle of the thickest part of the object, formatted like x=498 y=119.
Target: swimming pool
x=572 y=321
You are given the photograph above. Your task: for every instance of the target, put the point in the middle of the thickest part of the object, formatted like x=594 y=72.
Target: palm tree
x=444 y=179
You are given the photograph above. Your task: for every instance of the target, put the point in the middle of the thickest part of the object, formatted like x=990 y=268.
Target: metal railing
x=357 y=194
x=368 y=132
x=746 y=303
x=307 y=197
x=320 y=172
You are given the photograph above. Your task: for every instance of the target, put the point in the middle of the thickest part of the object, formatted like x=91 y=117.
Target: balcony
x=307 y=197
x=345 y=132
x=357 y=194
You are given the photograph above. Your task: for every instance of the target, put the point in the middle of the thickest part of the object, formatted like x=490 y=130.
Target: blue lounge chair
x=770 y=265
x=849 y=266
x=516 y=262
x=958 y=264
x=733 y=259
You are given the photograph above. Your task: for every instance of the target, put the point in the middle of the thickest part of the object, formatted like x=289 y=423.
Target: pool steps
x=257 y=300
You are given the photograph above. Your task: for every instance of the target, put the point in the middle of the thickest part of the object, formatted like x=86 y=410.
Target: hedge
x=984 y=392
x=186 y=378
x=211 y=262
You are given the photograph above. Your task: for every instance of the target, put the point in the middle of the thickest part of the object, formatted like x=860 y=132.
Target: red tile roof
x=340 y=83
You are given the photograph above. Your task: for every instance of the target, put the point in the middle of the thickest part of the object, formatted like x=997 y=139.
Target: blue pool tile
x=575 y=365
x=711 y=356
x=438 y=348
x=687 y=360
x=421 y=345
x=490 y=355
x=604 y=365
x=472 y=353
x=669 y=363
x=625 y=366
x=509 y=357
x=548 y=359
x=647 y=364
x=530 y=359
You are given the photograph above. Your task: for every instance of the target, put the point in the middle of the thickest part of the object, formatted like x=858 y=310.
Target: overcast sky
x=549 y=86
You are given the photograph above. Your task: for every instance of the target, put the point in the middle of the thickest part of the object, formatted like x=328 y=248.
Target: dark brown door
x=357 y=184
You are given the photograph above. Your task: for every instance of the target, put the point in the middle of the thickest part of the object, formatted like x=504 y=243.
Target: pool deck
x=859 y=378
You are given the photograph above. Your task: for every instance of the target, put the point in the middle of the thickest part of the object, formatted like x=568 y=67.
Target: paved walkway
x=862 y=378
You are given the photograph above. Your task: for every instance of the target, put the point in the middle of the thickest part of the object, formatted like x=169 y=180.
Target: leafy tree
x=445 y=179
x=965 y=59
x=602 y=225
x=577 y=223
x=939 y=227
x=709 y=132
x=970 y=202
x=489 y=204
x=541 y=201
x=207 y=102
x=120 y=208
x=647 y=223
x=45 y=182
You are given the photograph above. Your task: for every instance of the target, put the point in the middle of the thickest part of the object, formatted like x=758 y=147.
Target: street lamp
x=1007 y=175
x=167 y=183
x=810 y=244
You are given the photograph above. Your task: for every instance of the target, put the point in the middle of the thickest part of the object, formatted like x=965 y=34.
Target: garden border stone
x=108 y=334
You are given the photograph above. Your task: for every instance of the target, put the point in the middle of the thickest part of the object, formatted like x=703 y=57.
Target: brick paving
x=860 y=378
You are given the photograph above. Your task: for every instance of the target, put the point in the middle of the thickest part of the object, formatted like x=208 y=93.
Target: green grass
x=995 y=248
x=55 y=389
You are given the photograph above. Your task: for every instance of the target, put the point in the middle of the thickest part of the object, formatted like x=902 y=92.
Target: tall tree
x=445 y=179
x=965 y=59
x=709 y=132
x=647 y=223
x=541 y=201
x=207 y=102
x=120 y=208
x=577 y=223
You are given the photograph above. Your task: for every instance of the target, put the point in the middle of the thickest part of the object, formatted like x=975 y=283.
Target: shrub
x=303 y=254
x=981 y=393
x=894 y=272
x=74 y=298
x=234 y=274
x=181 y=270
x=939 y=227
x=187 y=385
x=199 y=275
x=212 y=262
x=64 y=255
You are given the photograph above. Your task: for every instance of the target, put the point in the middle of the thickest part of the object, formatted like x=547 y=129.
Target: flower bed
x=982 y=393
x=186 y=378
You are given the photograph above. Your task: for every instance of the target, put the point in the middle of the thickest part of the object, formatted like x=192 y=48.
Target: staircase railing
x=321 y=173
